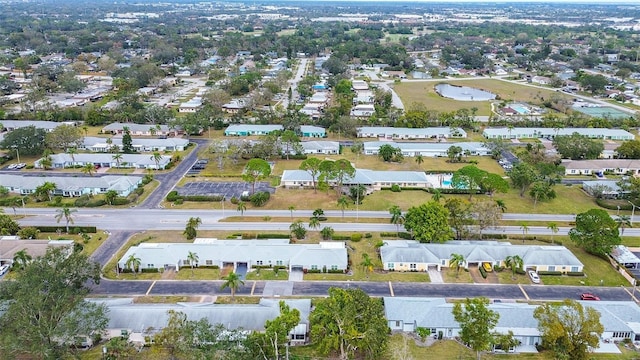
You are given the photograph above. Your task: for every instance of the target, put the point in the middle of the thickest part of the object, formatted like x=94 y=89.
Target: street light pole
x=17 y=152
x=633 y=211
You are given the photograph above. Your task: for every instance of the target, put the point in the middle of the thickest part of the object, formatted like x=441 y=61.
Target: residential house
x=139 y=129
x=10 y=125
x=250 y=129
x=190 y=106
x=429 y=149
x=241 y=255
x=603 y=188
x=625 y=257
x=359 y=85
x=362 y=111
x=321 y=147
x=313 y=131
x=313 y=111
x=601 y=166
x=138 y=322
x=619 y=318
x=372 y=179
x=549 y=133
x=10 y=245
x=71 y=186
x=98 y=144
x=138 y=161
x=390 y=133
x=410 y=255
x=234 y=106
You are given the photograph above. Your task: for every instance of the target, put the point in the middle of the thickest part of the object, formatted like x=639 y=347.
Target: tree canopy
x=28 y=140
x=476 y=322
x=596 y=232
x=568 y=328
x=256 y=170
x=429 y=222
x=578 y=147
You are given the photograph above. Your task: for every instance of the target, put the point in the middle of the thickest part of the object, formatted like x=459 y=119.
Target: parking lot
x=228 y=189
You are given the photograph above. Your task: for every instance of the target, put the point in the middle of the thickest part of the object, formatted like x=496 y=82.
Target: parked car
x=4 y=269
x=534 y=277
x=487 y=267
x=588 y=296
x=11 y=167
x=21 y=165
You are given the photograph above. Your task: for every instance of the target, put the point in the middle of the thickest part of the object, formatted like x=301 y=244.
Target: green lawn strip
x=449 y=276
x=198 y=274
x=237 y=300
x=267 y=274
x=165 y=299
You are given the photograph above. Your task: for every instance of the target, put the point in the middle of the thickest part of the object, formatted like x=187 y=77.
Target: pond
x=463 y=93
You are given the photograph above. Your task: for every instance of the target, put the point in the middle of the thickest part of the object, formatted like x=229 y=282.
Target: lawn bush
x=120 y=201
x=260 y=198
x=549 y=272
x=482 y=272
x=575 y=273
x=395 y=188
x=341 y=237
x=272 y=236
x=356 y=237
x=52 y=229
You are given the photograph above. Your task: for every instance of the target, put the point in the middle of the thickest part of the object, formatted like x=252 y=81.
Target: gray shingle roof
x=139 y=159
x=430 y=131
x=110 y=182
x=134 y=127
x=92 y=140
x=39 y=124
x=364 y=176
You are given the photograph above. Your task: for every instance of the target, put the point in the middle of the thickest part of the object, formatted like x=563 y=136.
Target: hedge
x=295 y=157
x=482 y=272
x=120 y=201
x=401 y=235
x=341 y=237
x=575 y=273
x=549 y=272
x=272 y=236
x=173 y=196
x=81 y=229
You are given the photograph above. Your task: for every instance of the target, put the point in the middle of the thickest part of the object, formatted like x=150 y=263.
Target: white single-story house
x=321 y=147
x=313 y=131
x=71 y=186
x=311 y=110
x=140 y=322
x=10 y=245
x=625 y=257
x=190 y=106
x=358 y=85
x=139 y=161
x=139 y=129
x=242 y=255
x=250 y=129
x=620 y=320
x=10 y=125
x=549 y=133
x=383 y=132
x=363 y=111
x=590 y=167
x=98 y=144
x=410 y=255
x=429 y=149
x=375 y=180
x=603 y=188
x=234 y=106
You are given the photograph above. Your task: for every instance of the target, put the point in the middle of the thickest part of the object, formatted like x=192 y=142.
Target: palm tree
x=233 y=282
x=419 y=159
x=396 y=217
x=193 y=259
x=46 y=189
x=623 y=221
x=367 y=264
x=314 y=222
x=291 y=209
x=190 y=230
x=501 y=205
x=343 y=203
x=117 y=158
x=133 y=263
x=242 y=207
x=65 y=213
x=456 y=262
x=525 y=230
x=327 y=233
x=554 y=229
x=72 y=151
x=21 y=259
x=436 y=195
x=514 y=262
x=156 y=157
x=88 y=168
x=85 y=128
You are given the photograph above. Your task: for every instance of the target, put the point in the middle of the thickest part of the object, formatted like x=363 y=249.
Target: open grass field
x=423 y=92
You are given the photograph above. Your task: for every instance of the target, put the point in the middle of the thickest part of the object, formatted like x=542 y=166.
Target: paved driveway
x=228 y=189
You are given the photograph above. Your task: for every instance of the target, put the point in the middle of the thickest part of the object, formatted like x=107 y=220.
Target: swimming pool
x=521 y=109
x=446 y=182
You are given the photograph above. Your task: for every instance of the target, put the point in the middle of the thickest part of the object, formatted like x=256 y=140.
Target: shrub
x=341 y=237
x=179 y=201
x=482 y=272
x=575 y=273
x=120 y=201
x=172 y=196
x=272 y=236
x=356 y=237
x=139 y=191
x=28 y=233
x=149 y=270
x=313 y=271
x=260 y=198
x=395 y=188
x=335 y=271
x=234 y=200
x=549 y=273
x=368 y=236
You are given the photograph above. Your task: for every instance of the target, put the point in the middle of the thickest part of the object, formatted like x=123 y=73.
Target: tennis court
x=603 y=112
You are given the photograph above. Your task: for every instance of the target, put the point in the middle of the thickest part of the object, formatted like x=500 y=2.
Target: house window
x=574 y=269
x=551 y=268
x=412 y=266
x=299 y=336
x=124 y=333
x=208 y=262
x=390 y=266
x=334 y=267
x=259 y=262
x=186 y=262
x=150 y=266
x=397 y=323
x=279 y=262
x=314 y=267
x=433 y=330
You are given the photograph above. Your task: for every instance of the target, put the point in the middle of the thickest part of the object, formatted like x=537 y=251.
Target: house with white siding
x=137 y=161
x=601 y=166
x=410 y=255
x=620 y=320
x=320 y=147
x=251 y=129
x=100 y=144
x=392 y=133
x=48 y=126
x=427 y=149
x=71 y=186
x=550 y=133
x=139 y=129
x=372 y=179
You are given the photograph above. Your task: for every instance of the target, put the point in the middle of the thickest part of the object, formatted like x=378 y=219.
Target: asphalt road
x=110 y=246
x=320 y=288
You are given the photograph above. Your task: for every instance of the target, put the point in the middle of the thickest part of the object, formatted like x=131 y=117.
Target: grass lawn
x=198 y=274
x=237 y=300
x=423 y=92
x=449 y=276
x=267 y=274
x=569 y=200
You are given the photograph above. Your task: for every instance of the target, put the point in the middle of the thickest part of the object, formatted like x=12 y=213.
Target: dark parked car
x=588 y=296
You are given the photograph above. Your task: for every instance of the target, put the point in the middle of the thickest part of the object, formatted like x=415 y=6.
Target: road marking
x=524 y=292
x=253 y=287
x=150 y=287
x=391 y=289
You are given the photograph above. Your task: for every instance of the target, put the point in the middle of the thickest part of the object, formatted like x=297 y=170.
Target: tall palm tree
x=67 y=214
x=233 y=282
x=436 y=195
x=291 y=209
x=554 y=229
x=514 y=262
x=117 y=158
x=525 y=230
x=193 y=259
x=88 y=168
x=133 y=263
x=156 y=157
x=456 y=262
x=343 y=203
x=72 y=151
x=397 y=218
x=314 y=222
x=419 y=159
x=367 y=264
x=21 y=259
x=242 y=207
x=191 y=229
x=624 y=221
x=501 y=205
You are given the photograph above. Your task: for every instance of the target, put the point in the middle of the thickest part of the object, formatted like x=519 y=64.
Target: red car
x=588 y=296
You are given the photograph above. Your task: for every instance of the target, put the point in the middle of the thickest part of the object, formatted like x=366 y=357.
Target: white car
x=4 y=269
x=12 y=166
x=534 y=277
x=20 y=165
